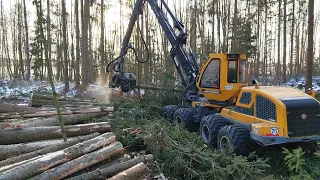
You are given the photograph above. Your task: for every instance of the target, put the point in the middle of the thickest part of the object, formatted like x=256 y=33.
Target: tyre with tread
x=236 y=136
x=168 y=111
x=185 y=117
x=209 y=128
x=309 y=148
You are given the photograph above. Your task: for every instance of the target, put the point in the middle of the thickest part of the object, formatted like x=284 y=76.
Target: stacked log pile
x=31 y=146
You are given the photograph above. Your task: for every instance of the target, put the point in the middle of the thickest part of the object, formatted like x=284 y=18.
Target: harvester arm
x=185 y=62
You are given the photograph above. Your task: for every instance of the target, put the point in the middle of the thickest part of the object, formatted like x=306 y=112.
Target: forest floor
x=178 y=153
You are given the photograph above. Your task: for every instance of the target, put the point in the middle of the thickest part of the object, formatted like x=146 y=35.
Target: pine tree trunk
x=292 y=35
x=48 y=149
x=29 y=134
x=82 y=162
x=284 y=62
x=50 y=160
x=65 y=47
x=21 y=65
x=85 y=50
x=279 y=42
x=310 y=44
x=102 y=55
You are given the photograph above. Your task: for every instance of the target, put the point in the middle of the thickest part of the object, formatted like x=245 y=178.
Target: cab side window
x=211 y=76
x=232 y=71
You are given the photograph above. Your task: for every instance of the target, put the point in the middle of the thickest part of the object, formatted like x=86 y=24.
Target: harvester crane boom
x=185 y=62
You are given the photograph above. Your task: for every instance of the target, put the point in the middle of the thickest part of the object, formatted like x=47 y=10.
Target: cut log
x=10 y=123
x=106 y=163
x=107 y=109
x=5 y=168
x=8 y=151
x=4 y=108
x=80 y=163
x=41 y=102
x=136 y=172
x=47 y=150
x=45 y=100
x=29 y=134
x=52 y=121
x=88 y=110
x=113 y=169
x=50 y=160
x=68 y=120
x=45 y=114
x=159 y=88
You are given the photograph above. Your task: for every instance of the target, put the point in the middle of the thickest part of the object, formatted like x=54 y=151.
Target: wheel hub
x=178 y=120
x=205 y=133
x=224 y=144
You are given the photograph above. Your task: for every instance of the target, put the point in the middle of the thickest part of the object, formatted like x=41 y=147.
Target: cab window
x=232 y=71
x=243 y=72
x=211 y=76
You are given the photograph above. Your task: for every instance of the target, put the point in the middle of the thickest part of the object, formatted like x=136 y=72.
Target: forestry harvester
x=217 y=99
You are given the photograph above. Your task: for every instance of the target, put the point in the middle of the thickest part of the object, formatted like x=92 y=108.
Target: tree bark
x=310 y=44
x=82 y=162
x=113 y=169
x=29 y=134
x=46 y=150
x=136 y=172
x=50 y=160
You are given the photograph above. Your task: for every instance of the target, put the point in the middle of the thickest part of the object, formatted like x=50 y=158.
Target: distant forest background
x=81 y=37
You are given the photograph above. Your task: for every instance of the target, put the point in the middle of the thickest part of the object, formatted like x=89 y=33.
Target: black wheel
x=236 y=137
x=209 y=128
x=185 y=117
x=168 y=111
x=309 y=148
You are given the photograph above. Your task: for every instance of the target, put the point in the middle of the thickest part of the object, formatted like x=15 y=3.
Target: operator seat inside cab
x=232 y=75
